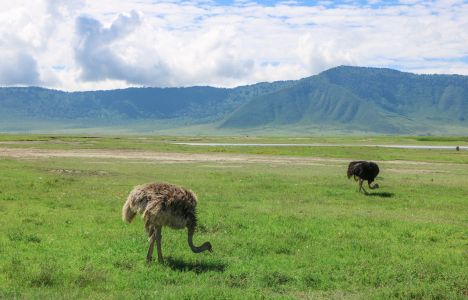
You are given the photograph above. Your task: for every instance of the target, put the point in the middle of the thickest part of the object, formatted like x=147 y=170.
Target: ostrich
x=163 y=204
x=363 y=170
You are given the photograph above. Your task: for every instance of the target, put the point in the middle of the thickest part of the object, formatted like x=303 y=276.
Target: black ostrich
x=363 y=170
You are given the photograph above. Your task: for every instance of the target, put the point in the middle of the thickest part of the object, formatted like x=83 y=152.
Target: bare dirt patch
x=77 y=172
x=165 y=157
x=211 y=158
x=413 y=171
x=44 y=142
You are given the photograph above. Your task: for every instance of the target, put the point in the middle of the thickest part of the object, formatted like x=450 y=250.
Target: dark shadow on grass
x=381 y=194
x=198 y=267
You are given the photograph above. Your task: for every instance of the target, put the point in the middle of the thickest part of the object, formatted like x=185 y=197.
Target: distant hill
x=342 y=99
x=367 y=99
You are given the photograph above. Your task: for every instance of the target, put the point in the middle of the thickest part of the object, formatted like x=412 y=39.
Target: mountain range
x=340 y=100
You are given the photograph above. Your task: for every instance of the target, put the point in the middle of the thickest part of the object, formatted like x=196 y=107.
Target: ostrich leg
x=158 y=244
x=149 y=256
x=360 y=185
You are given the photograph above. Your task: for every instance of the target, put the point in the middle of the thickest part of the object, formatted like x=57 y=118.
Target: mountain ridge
x=364 y=99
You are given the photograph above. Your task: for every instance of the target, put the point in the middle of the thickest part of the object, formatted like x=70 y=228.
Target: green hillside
x=312 y=100
x=443 y=97
x=342 y=99
x=368 y=99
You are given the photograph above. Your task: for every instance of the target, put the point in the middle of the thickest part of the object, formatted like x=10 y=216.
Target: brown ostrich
x=163 y=204
x=363 y=170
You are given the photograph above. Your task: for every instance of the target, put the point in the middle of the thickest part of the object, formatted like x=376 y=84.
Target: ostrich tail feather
x=127 y=213
x=349 y=173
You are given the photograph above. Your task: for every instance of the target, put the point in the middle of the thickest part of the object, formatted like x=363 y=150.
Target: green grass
x=278 y=231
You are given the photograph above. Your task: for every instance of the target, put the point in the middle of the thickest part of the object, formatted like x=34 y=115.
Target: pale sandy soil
x=165 y=157
x=32 y=153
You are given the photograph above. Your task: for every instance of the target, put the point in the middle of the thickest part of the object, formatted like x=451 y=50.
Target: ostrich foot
x=363 y=189
x=149 y=260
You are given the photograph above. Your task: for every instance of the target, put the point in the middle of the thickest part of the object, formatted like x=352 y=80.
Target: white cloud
x=18 y=67
x=100 y=53
x=79 y=45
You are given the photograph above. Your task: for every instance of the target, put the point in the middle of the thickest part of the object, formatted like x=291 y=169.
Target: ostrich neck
x=194 y=248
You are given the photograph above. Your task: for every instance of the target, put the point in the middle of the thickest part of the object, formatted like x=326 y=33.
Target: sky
x=89 y=45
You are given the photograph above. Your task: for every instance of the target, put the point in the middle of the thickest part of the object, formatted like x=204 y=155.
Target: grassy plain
x=278 y=230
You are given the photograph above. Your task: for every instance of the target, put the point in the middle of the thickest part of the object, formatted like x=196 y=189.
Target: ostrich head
x=207 y=246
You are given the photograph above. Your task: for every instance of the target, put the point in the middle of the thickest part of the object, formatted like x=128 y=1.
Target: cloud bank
x=81 y=45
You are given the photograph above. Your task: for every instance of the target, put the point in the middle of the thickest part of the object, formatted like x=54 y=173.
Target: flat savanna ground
x=284 y=222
